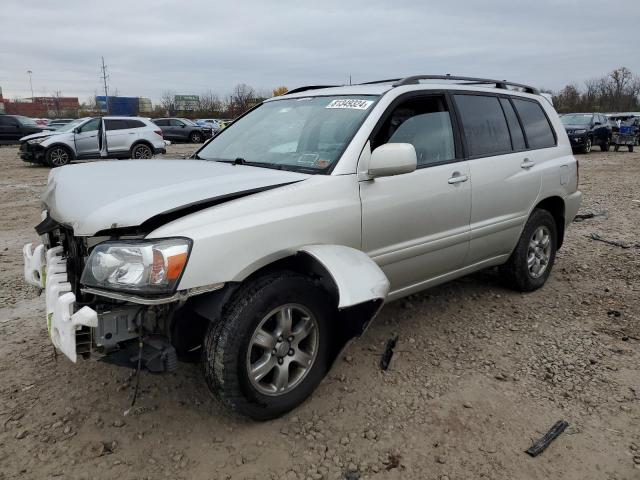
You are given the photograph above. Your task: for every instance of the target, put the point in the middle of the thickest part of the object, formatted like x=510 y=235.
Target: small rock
x=467 y=405
x=370 y=435
x=118 y=423
x=344 y=440
x=21 y=434
x=441 y=460
x=67 y=430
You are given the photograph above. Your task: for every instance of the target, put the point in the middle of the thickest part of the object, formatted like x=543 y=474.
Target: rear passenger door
x=504 y=179
x=118 y=134
x=416 y=225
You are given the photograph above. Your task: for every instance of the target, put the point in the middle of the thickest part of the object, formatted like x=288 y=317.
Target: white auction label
x=350 y=103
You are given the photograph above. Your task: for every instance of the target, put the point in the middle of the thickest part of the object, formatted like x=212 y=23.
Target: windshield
x=576 y=119
x=26 y=121
x=305 y=134
x=68 y=127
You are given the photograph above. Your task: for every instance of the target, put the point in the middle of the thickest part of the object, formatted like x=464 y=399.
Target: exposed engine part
x=157 y=354
x=116 y=325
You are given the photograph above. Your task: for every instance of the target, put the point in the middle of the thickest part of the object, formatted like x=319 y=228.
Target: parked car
x=281 y=239
x=182 y=129
x=94 y=137
x=14 y=127
x=587 y=129
x=215 y=125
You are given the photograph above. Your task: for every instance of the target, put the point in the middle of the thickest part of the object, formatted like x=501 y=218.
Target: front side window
x=305 y=134
x=536 y=124
x=176 y=123
x=425 y=123
x=484 y=125
x=91 y=126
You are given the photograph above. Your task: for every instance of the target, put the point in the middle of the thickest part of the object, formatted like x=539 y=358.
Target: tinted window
x=535 y=122
x=484 y=125
x=161 y=123
x=116 y=124
x=135 y=124
x=8 y=121
x=425 y=123
x=91 y=125
x=517 y=137
x=175 y=123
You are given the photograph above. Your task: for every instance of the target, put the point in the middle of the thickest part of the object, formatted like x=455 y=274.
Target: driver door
x=87 y=139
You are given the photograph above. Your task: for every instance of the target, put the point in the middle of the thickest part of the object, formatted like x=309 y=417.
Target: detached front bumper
x=31 y=153
x=48 y=270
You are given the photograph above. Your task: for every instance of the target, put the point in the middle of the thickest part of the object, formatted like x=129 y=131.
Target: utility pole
x=104 y=77
x=30 y=84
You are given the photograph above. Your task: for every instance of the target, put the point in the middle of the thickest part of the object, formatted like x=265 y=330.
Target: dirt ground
x=479 y=373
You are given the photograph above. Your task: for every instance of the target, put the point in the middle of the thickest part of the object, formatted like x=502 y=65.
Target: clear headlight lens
x=140 y=266
x=578 y=132
x=35 y=141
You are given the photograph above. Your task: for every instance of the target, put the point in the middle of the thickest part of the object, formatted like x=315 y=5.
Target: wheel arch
x=141 y=142
x=72 y=153
x=556 y=207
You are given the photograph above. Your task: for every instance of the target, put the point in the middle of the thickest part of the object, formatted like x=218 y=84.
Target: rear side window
x=135 y=124
x=536 y=124
x=161 y=123
x=484 y=125
x=116 y=124
x=517 y=137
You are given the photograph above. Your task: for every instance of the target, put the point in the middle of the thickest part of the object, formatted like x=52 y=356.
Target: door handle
x=527 y=164
x=457 y=178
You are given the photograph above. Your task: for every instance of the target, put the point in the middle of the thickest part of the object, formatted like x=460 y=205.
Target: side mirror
x=392 y=159
x=76 y=130
x=183 y=126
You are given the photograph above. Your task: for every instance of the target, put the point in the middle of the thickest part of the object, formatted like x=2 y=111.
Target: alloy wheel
x=539 y=252
x=142 y=152
x=59 y=157
x=282 y=349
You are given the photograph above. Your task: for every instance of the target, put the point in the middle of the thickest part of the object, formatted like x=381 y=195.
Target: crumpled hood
x=124 y=193
x=45 y=133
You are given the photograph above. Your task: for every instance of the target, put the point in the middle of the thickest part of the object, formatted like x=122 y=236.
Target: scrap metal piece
x=539 y=446
x=385 y=360
x=615 y=243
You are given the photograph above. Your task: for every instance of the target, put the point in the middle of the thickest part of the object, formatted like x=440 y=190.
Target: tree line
x=618 y=91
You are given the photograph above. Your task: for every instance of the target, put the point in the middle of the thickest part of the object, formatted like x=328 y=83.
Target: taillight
x=158 y=132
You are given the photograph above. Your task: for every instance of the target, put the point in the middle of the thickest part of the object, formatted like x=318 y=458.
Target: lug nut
x=274 y=351
x=280 y=361
x=280 y=338
x=290 y=339
x=291 y=352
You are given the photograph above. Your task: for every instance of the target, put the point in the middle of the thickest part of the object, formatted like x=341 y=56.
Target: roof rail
x=503 y=84
x=309 y=87
x=389 y=80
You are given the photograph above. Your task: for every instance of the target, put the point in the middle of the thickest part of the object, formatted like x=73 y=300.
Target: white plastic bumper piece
x=62 y=323
x=34 y=265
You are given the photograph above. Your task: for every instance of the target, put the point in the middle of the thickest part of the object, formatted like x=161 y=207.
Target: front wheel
x=587 y=146
x=605 y=146
x=57 y=157
x=530 y=263
x=270 y=349
x=195 y=137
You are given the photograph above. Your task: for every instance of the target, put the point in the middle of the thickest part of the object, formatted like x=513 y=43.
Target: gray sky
x=193 y=46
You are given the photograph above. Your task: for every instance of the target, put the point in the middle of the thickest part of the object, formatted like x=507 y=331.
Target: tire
x=141 y=151
x=605 y=146
x=231 y=345
x=518 y=273
x=195 y=137
x=587 y=146
x=57 y=156
x=616 y=148
x=631 y=148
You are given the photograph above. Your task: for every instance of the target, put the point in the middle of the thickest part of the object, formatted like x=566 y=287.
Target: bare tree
x=241 y=99
x=210 y=105
x=168 y=102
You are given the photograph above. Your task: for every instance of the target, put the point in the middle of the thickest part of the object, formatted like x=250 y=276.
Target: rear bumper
x=571 y=205
x=158 y=151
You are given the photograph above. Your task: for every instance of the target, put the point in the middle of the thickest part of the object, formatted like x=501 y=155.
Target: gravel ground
x=479 y=373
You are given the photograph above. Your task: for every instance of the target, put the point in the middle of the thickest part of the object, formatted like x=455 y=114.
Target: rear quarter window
x=116 y=124
x=536 y=124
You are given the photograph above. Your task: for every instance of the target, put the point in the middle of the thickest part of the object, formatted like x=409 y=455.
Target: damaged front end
x=107 y=296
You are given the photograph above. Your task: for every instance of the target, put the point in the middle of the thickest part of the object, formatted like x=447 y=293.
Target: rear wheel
x=631 y=148
x=57 y=156
x=141 y=151
x=270 y=350
x=195 y=137
x=530 y=263
x=616 y=148
x=587 y=146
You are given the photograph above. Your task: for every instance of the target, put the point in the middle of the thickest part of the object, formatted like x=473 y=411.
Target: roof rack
x=503 y=84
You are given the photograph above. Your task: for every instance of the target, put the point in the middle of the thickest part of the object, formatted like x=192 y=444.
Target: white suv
x=283 y=236
x=94 y=137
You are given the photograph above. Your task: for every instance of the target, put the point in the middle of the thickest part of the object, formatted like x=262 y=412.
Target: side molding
x=358 y=278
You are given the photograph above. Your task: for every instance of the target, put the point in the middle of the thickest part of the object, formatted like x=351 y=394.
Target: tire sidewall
x=537 y=219
x=230 y=356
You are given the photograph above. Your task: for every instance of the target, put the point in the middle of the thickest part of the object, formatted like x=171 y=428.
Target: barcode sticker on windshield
x=350 y=103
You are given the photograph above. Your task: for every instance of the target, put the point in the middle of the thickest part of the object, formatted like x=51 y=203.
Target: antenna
x=104 y=77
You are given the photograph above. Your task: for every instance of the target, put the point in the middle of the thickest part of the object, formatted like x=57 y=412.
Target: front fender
x=358 y=278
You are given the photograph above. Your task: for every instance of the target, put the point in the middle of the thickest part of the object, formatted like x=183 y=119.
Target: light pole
x=30 y=83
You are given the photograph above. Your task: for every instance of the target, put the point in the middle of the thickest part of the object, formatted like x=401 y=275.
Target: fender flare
x=358 y=278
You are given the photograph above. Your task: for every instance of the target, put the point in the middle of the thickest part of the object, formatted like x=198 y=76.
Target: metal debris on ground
x=385 y=360
x=585 y=216
x=615 y=243
x=540 y=445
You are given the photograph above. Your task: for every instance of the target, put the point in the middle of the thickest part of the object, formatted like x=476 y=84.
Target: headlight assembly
x=140 y=266
x=580 y=132
x=36 y=141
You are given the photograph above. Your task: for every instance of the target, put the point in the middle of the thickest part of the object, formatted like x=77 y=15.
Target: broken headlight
x=140 y=266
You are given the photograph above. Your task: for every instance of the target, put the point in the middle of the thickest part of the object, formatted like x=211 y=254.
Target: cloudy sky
x=192 y=46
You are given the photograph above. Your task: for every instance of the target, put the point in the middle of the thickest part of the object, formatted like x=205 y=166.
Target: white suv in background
x=94 y=137
x=283 y=236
